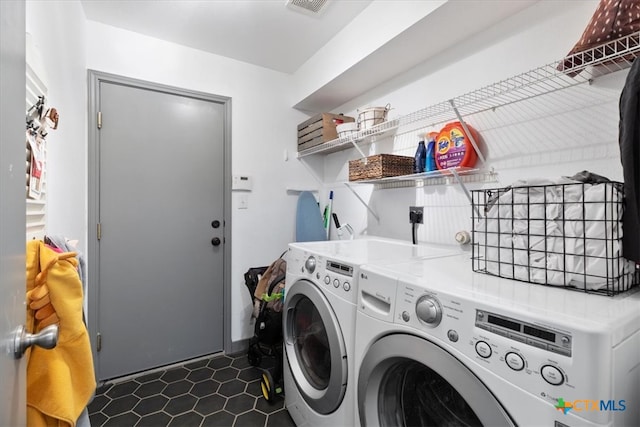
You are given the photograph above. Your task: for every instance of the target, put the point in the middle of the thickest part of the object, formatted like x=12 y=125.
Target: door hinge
x=99 y=231
x=99 y=119
x=98 y=341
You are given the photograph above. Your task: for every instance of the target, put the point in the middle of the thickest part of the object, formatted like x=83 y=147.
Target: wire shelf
x=573 y=70
x=435 y=177
x=360 y=138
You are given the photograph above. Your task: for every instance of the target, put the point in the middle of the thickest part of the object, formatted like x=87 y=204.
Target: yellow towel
x=60 y=381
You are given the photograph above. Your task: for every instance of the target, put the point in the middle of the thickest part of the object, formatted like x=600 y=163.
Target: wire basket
x=567 y=235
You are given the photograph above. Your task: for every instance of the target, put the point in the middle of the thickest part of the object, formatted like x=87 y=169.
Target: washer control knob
x=310 y=264
x=428 y=310
x=405 y=316
x=327 y=280
x=514 y=361
x=552 y=375
x=346 y=286
x=483 y=349
x=336 y=283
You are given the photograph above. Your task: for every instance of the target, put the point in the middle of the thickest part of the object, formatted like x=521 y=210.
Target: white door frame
x=94 y=80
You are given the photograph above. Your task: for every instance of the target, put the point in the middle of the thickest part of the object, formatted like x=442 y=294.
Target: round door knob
x=216 y=241
x=428 y=310
x=215 y=224
x=46 y=338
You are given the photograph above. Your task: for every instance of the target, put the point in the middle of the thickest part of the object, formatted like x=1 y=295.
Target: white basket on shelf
x=371 y=116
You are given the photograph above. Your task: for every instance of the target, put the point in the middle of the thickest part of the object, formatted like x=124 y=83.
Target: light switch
x=243 y=201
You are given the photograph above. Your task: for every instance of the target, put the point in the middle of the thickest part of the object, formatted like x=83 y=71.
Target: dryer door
x=315 y=347
x=408 y=381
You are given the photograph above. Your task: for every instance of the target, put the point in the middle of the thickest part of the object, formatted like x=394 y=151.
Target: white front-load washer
x=319 y=321
x=440 y=345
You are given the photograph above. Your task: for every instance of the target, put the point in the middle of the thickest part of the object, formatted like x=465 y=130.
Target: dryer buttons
x=327 y=280
x=514 y=361
x=452 y=335
x=483 y=349
x=336 y=283
x=346 y=286
x=552 y=375
x=405 y=316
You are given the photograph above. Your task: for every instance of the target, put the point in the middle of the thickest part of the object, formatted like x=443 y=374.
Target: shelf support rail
x=313 y=174
x=355 y=145
x=466 y=129
x=466 y=191
x=366 y=205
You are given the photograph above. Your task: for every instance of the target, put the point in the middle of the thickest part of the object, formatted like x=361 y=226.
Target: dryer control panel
x=542 y=357
x=524 y=332
x=337 y=278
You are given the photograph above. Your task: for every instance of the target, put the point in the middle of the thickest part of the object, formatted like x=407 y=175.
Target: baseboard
x=240 y=346
x=237 y=347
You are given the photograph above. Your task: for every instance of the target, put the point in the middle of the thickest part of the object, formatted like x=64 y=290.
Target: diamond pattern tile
x=219 y=391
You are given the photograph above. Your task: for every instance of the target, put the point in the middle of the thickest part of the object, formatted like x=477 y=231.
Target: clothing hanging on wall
x=629 y=140
x=60 y=381
x=66 y=245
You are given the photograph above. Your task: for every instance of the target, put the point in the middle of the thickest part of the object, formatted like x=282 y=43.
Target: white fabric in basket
x=553 y=234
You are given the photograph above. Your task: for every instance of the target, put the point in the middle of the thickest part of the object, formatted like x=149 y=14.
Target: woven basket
x=380 y=166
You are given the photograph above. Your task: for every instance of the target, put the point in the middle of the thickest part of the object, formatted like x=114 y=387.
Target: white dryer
x=319 y=322
x=437 y=344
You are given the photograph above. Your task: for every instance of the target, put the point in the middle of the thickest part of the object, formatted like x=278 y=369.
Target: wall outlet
x=416 y=214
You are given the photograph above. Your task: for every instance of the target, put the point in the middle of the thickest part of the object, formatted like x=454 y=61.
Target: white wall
x=573 y=131
x=58 y=31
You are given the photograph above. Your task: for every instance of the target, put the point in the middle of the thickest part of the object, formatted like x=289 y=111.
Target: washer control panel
x=524 y=332
x=339 y=282
x=534 y=354
x=331 y=276
x=337 y=267
x=335 y=277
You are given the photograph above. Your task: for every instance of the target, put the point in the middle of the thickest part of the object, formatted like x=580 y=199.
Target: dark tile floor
x=217 y=391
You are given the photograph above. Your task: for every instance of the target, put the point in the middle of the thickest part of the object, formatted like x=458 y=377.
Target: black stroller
x=266 y=286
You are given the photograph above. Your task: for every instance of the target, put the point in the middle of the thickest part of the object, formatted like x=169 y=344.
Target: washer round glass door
x=405 y=380
x=315 y=347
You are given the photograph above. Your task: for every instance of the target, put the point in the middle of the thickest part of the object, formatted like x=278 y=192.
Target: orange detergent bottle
x=454 y=148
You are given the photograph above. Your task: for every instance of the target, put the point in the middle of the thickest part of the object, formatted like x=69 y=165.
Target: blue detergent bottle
x=430 y=161
x=420 y=158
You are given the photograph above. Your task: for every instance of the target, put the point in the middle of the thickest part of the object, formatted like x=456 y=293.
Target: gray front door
x=161 y=188
x=13 y=393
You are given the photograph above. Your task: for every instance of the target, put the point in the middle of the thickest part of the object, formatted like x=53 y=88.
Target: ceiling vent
x=308 y=7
